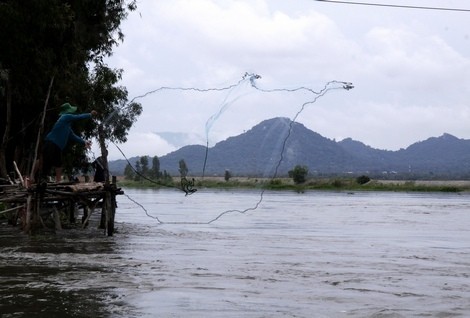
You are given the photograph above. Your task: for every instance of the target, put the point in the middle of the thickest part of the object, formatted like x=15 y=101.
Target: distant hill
x=277 y=145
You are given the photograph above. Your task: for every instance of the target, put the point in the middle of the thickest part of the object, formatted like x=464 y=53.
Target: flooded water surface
x=315 y=254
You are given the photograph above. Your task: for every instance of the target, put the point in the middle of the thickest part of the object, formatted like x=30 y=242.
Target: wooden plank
x=87 y=195
x=88 y=186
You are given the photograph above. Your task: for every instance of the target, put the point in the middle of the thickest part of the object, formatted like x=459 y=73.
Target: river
x=312 y=254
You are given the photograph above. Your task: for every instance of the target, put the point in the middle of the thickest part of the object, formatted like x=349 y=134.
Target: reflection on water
x=317 y=254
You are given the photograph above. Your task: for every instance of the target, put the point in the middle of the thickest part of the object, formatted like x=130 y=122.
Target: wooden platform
x=33 y=206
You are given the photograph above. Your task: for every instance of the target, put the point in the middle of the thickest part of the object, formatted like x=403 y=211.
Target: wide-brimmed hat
x=67 y=109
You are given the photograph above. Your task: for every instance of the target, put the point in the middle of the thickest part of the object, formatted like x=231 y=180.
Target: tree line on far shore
x=143 y=170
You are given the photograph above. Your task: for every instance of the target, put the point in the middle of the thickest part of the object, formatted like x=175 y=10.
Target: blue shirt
x=62 y=131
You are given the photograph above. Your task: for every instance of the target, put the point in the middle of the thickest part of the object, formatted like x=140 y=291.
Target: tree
x=227 y=175
x=155 y=170
x=138 y=171
x=299 y=174
x=117 y=116
x=362 y=179
x=166 y=176
x=183 y=169
x=4 y=78
x=129 y=173
x=144 y=165
x=60 y=39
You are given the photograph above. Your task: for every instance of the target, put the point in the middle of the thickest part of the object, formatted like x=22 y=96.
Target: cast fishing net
x=225 y=100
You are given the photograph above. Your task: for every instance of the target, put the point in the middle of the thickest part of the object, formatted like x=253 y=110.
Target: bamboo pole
x=19 y=174
x=13 y=209
x=89 y=212
x=34 y=168
x=41 y=129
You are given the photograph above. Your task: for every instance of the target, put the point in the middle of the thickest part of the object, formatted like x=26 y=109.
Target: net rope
x=187 y=186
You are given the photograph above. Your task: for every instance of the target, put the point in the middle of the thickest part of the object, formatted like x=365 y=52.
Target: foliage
x=155 y=171
x=66 y=41
x=337 y=183
x=115 y=114
x=362 y=179
x=286 y=184
x=142 y=171
x=129 y=173
x=227 y=175
x=138 y=171
x=144 y=166
x=183 y=168
x=166 y=176
x=299 y=174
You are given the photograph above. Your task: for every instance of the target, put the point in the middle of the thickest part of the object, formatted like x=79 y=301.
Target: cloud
x=138 y=144
x=178 y=139
x=426 y=64
x=213 y=41
x=411 y=69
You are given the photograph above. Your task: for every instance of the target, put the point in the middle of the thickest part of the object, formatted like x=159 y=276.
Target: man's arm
x=74 y=117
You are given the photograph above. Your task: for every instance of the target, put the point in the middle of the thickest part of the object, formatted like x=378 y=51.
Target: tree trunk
x=104 y=153
x=6 y=134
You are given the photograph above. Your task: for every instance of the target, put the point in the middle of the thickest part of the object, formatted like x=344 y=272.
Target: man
x=58 y=138
x=99 y=165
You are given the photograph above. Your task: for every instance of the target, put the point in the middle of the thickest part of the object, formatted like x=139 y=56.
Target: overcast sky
x=410 y=69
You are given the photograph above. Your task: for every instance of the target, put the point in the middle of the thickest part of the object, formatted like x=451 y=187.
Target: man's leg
x=58 y=174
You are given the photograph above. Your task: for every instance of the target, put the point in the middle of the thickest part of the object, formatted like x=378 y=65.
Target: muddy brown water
x=316 y=254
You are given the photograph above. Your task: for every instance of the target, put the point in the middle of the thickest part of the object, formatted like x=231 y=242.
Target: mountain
x=446 y=154
x=258 y=152
x=275 y=146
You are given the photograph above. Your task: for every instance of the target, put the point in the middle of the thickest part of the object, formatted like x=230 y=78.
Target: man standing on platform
x=58 y=138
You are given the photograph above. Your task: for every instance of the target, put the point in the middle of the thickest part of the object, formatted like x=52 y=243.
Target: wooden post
x=110 y=206
x=86 y=212
x=32 y=212
x=58 y=224
x=71 y=210
x=27 y=222
x=104 y=153
x=103 y=214
x=36 y=218
x=105 y=210
x=62 y=198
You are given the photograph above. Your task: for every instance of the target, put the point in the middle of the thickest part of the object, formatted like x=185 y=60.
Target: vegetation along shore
x=337 y=184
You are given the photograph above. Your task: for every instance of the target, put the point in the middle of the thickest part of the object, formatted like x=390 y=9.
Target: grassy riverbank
x=339 y=184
